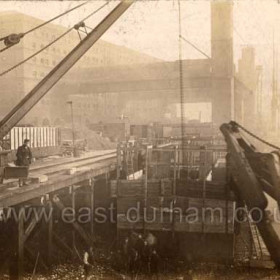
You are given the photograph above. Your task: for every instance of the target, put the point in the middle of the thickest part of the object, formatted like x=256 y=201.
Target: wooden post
x=118 y=161
x=20 y=242
x=106 y=179
x=92 y=206
x=175 y=170
x=145 y=188
x=47 y=235
x=50 y=233
x=202 y=176
x=73 y=205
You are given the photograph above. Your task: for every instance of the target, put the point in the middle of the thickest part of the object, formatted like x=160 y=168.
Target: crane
x=38 y=92
x=252 y=175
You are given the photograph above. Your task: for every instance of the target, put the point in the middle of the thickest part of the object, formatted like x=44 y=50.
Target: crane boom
x=254 y=174
x=34 y=96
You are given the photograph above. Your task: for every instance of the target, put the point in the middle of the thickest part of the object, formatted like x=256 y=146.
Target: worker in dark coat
x=24 y=158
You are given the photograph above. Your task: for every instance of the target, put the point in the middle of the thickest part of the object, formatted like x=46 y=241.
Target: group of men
x=137 y=254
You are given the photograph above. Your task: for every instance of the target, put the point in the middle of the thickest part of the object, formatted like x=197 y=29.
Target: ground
x=203 y=272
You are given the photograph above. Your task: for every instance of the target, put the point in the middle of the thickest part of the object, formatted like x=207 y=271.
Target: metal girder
x=34 y=96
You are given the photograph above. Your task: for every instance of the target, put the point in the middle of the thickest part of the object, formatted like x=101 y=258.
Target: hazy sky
x=152 y=26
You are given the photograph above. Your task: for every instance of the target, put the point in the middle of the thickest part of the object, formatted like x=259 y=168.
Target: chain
x=255 y=136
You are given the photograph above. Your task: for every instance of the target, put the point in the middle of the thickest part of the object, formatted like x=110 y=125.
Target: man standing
x=88 y=262
x=24 y=158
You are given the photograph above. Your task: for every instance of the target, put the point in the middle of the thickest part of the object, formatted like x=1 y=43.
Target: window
x=42 y=60
x=34 y=45
x=42 y=46
x=54 y=62
x=47 y=62
x=34 y=74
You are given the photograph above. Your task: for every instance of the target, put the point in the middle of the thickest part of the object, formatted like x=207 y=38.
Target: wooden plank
x=20 y=140
x=56 y=183
x=35 y=137
x=12 y=138
x=41 y=137
x=31 y=129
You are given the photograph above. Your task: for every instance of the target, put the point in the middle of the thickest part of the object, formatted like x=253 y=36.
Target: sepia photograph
x=139 y=140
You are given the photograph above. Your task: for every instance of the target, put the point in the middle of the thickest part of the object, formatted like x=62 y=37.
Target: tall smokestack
x=222 y=37
x=222 y=61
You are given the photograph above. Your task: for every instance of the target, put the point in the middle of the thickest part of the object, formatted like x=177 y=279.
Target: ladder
x=260 y=249
x=249 y=244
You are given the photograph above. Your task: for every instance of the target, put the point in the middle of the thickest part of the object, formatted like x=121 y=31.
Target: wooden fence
x=38 y=136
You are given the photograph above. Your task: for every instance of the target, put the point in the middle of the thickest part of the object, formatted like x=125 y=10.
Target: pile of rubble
x=96 y=141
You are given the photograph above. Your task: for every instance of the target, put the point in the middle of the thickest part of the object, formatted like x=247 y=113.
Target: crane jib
x=38 y=92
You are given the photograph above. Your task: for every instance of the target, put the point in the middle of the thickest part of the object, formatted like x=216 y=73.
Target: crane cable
x=181 y=81
x=14 y=39
x=51 y=43
x=254 y=135
x=195 y=47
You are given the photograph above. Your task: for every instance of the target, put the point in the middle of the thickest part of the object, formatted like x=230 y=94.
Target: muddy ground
x=201 y=272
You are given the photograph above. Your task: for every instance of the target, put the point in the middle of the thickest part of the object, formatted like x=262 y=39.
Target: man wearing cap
x=24 y=158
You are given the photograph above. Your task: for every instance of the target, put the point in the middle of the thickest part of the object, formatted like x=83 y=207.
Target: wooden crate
x=15 y=172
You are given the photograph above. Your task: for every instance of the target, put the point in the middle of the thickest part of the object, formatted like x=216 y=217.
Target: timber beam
x=86 y=238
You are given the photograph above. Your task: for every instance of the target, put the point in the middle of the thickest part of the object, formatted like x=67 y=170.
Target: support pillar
x=73 y=205
x=92 y=205
x=47 y=234
x=20 y=242
x=17 y=254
